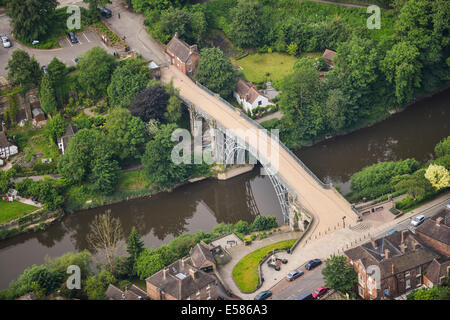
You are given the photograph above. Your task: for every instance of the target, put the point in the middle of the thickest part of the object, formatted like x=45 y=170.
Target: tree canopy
x=22 y=69
x=150 y=104
x=339 y=275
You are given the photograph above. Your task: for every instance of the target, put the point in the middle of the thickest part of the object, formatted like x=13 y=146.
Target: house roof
x=132 y=293
x=181 y=279
x=405 y=253
x=247 y=91
x=438 y=269
x=439 y=232
x=201 y=254
x=180 y=48
x=4 y=142
x=28 y=296
x=328 y=54
x=37 y=111
x=70 y=131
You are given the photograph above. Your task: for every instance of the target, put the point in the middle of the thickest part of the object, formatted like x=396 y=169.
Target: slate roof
x=181 y=49
x=4 y=142
x=70 y=132
x=28 y=296
x=438 y=269
x=439 y=232
x=328 y=54
x=201 y=254
x=178 y=282
x=403 y=255
x=247 y=91
x=132 y=293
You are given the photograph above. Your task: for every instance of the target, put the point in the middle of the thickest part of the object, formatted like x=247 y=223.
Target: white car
x=417 y=220
x=5 y=41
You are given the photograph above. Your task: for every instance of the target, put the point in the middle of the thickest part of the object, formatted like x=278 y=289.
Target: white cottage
x=249 y=97
x=7 y=148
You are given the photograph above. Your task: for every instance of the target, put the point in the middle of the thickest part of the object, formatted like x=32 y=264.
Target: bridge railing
x=259 y=126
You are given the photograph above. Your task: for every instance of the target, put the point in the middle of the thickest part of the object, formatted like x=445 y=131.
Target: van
x=305 y=296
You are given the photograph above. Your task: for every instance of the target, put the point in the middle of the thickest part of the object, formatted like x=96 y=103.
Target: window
x=259 y=103
x=188 y=298
x=198 y=292
x=407 y=274
x=408 y=283
x=208 y=287
x=418 y=271
x=361 y=291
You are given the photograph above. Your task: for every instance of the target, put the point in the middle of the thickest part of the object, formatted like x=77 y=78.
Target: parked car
x=320 y=291
x=105 y=12
x=263 y=295
x=417 y=220
x=305 y=296
x=291 y=276
x=73 y=37
x=44 y=69
x=5 y=41
x=313 y=263
x=392 y=231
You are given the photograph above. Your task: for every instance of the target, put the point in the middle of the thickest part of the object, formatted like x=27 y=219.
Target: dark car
x=320 y=291
x=313 y=263
x=105 y=12
x=305 y=296
x=263 y=295
x=73 y=37
x=291 y=276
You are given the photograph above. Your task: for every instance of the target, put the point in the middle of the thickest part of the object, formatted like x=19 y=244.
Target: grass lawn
x=267 y=66
x=33 y=142
x=13 y=210
x=245 y=272
x=132 y=180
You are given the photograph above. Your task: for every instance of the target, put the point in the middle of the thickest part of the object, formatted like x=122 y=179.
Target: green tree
x=104 y=173
x=96 y=286
x=93 y=6
x=339 y=275
x=128 y=79
x=216 y=72
x=22 y=69
x=56 y=71
x=246 y=26
x=413 y=184
x=31 y=19
x=190 y=25
x=55 y=127
x=403 y=68
x=37 y=278
x=335 y=109
x=135 y=247
x=157 y=162
x=438 y=176
x=150 y=104
x=96 y=67
x=443 y=148
x=148 y=263
x=174 y=109
x=47 y=94
x=126 y=133
x=242 y=227
x=292 y=49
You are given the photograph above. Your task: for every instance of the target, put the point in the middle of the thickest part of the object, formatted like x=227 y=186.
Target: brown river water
x=202 y=205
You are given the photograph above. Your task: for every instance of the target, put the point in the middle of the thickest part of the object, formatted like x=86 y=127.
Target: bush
x=242 y=227
x=263 y=223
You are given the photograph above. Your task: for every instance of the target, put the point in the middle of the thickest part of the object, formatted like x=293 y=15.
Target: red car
x=320 y=291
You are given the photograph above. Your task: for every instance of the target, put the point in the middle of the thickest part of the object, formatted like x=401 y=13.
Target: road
x=310 y=281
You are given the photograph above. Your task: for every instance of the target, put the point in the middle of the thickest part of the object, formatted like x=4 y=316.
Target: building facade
x=182 y=55
x=248 y=96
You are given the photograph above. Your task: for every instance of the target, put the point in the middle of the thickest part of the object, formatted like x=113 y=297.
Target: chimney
x=438 y=221
x=374 y=244
x=403 y=236
x=193 y=48
x=402 y=247
x=193 y=273
x=183 y=261
x=386 y=253
x=165 y=273
x=393 y=269
x=176 y=35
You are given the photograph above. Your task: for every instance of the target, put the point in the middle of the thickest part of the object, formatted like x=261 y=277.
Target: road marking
x=69 y=42
x=86 y=37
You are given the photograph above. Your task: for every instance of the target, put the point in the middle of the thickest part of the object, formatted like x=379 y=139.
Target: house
x=38 y=114
x=64 y=140
x=328 y=55
x=185 y=57
x=130 y=293
x=436 y=273
x=435 y=232
x=399 y=258
x=202 y=257
x=249 y=97
x=181 y=281
x=7 y=148
x=28 y=296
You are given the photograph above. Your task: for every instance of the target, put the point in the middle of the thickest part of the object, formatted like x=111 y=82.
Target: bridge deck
x=327 y=206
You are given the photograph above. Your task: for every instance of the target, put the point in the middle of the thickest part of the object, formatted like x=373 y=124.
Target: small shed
x=38 y=114
x=328 y=55
x=155 y=70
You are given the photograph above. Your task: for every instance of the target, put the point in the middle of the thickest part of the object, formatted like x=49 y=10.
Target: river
x=202 y=205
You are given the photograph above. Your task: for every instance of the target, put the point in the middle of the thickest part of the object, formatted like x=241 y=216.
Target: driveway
x=67 y=53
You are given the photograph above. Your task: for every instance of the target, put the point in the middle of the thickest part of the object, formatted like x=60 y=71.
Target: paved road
x=310 y=281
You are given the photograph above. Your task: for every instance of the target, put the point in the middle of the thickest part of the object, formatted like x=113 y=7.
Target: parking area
x=290 y=290
x=67 y=53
